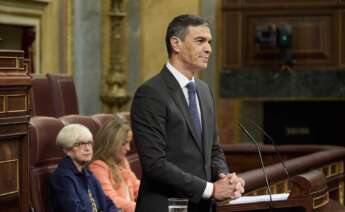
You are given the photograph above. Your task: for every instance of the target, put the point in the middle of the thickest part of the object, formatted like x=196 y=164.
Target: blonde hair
x=108 y=142
x=70 y=134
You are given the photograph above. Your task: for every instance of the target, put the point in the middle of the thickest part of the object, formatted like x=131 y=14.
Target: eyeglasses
x=83 y=144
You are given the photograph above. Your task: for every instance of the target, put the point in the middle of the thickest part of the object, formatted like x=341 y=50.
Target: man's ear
x=175 y=43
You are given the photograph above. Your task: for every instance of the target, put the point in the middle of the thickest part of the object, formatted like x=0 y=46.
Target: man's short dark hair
x=179 y=27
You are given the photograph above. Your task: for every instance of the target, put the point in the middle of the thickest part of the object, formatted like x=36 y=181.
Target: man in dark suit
x=174 y=126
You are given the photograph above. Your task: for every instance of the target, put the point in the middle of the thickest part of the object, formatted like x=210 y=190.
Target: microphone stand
x=251 y=138
x=274 y=146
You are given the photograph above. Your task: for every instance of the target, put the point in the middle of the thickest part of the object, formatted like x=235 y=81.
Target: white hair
x=70 y=134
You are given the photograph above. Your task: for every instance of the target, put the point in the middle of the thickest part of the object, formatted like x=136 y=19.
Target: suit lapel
x=180 y=100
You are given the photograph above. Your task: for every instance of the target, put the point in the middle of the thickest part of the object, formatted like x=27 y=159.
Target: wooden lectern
x=308 y=193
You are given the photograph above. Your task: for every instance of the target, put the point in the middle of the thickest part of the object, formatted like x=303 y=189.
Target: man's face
x=195 y=49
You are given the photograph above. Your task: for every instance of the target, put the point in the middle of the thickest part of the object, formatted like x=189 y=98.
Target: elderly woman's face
x=81 y=152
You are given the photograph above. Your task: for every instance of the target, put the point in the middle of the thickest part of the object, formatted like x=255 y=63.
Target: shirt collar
x=181 y=79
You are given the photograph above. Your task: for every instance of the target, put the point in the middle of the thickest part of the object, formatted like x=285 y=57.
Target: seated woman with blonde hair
x=111 y=167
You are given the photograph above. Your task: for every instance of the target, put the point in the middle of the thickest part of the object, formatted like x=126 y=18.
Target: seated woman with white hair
x=72 y=187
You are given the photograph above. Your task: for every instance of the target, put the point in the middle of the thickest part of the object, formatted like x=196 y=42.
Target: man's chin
x=202 y=68
x=199 y=68
x=204 y=65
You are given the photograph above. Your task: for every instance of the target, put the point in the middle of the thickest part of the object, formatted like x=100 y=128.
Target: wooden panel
x=9 y=64
x=9 y=150
x=233 y=4
x=2 y=103
x=314 y=37
x=232 y=40
x=10 y=203
x=341 y=40
x=10 y=129
x=17 y=103
x=226 y=4
x=290 y=3
x=229 y=110
x=9 y=183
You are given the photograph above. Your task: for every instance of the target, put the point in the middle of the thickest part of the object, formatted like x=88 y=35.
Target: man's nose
x=208 y=48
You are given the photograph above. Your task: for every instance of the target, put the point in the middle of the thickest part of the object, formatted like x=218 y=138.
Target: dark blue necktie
x=193 y=108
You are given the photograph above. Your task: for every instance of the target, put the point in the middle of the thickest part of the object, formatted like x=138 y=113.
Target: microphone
x=274 y=146
x=251 y=138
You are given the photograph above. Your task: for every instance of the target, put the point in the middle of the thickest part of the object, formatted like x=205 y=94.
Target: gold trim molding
x=333 y=169
x=341 y=192
x=320 y=201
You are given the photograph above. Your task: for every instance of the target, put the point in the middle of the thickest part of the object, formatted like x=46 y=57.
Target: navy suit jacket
x=174 y=162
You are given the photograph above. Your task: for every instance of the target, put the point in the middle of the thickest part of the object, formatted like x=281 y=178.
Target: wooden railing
x=298 y=159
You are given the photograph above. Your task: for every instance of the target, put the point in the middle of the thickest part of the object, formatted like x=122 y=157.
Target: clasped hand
x=228 y=186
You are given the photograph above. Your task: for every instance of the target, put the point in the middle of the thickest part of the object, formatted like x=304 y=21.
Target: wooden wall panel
x=8 y=63
x=231 y=53
x=2 y=103
x=288 y=3
x=341 y=38
x=9 y=183
x=17 y=103
x=314 y=37
x=11 y=63
x=228 y=110
x=231 y=4
x=17 y=129
x=9 y=149
x=318 y=46
x=316 y=32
